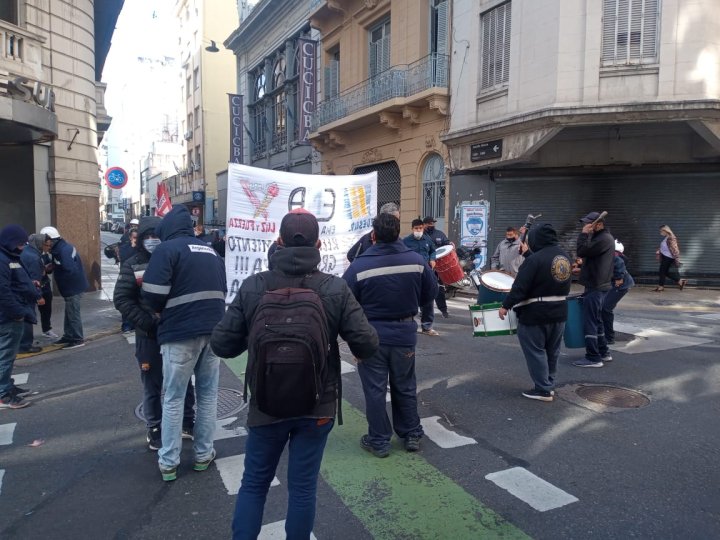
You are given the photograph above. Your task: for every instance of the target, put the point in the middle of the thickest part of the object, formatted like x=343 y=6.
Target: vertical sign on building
x=236 y=128
x=308 y=88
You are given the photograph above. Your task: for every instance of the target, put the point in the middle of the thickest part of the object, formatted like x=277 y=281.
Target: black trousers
x=666 y=264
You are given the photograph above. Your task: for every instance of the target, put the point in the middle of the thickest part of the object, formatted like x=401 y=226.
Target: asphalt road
x=74 y=464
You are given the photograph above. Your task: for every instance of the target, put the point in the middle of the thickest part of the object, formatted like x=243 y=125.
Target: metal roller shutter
x=637 y=206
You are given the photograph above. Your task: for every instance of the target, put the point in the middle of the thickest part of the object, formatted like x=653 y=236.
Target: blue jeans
x=427 y=315
x=73 y=328
x=595 y=342
x=10 y=334
x=611 y=300
x=398 y=365
x=265 y=444
x=541 y=346
x=180 y=360
x=28 y=337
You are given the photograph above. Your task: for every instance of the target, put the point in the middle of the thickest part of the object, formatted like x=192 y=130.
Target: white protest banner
x=259 y=198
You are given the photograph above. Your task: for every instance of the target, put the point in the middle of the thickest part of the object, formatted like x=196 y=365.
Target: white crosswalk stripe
x=221 y=432
x=2 y=473
x=276 y=531
x=20 y=378
x=6 y=433
x=346 y=367
x=531 y=489
x=442 y=436
x=231 y=470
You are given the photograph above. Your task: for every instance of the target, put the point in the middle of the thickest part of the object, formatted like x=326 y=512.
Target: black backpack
x=289 y=349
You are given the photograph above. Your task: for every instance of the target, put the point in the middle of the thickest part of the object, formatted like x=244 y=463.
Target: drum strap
x=540 y=299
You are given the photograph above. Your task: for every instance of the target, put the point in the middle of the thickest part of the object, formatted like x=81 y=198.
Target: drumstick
x=600 y=217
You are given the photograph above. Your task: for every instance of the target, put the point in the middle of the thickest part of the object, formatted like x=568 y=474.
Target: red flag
x=163 y=200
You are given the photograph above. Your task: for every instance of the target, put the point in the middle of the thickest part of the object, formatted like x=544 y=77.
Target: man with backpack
x=390 y=281
x=288 y=320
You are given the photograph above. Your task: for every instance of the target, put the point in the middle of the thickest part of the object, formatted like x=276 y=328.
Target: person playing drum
x=440 y=240
x=421 y=243
x=508 y=255
x=538 y=296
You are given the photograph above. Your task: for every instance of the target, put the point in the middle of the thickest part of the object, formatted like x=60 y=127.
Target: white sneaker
x=50 y=334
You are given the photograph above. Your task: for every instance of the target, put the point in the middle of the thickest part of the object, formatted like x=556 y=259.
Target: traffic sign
x=116 y=178
x=486 y=150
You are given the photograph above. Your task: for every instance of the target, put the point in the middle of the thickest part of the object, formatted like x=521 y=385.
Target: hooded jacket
x=390 y=281
x=344 y=315
x=32 y=259
x=127 y=296
x=18 y=293
x=597 y=251
x=184 y=281
x=69 y=272
x=546 y=272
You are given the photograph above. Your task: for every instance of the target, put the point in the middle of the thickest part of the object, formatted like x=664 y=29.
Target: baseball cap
x=592 y=216
x=299 y=228
x=429 y=219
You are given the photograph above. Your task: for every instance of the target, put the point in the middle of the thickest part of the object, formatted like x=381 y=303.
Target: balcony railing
x=396 y=82
x=20 y=51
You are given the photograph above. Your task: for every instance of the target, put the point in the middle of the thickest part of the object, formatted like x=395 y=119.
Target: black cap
x=592 y=216
x=299 y=228
x=429 y=219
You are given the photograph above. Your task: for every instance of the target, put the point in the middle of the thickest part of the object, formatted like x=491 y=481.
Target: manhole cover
x=230 y=402
x=613 y=396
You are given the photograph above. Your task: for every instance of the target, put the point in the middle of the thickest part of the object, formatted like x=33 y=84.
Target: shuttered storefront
x=637 y=206
x=388 y=182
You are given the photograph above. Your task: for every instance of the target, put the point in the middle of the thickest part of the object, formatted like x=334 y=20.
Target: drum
x=486 y=321
x=448 y=266
x=494 y=286
x=574 y=335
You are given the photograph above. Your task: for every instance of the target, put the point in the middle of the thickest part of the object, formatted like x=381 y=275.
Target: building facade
x=52 y=117
x=561 y=107
x=208 y=76
x=384 y=96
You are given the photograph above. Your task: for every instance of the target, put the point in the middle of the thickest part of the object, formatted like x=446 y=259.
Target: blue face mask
x=150 y=244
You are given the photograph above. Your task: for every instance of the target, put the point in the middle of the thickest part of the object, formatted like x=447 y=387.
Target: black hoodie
x=544 y=273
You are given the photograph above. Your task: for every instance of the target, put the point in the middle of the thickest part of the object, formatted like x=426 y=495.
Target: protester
x=507 y=256
x=31 y=258
x=622 y=282
x=669 y=256
x=18 y=295
x=390 y=281
x=71 y=282
x=538 y=296
x=129 y=302
x=439 y=239
x=185 y=283
x=126 y=250
x=365 y=240
x=596 y=246
x=295 y=265
x=423 y=245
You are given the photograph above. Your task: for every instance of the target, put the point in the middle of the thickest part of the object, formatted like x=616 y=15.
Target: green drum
x=486 y=320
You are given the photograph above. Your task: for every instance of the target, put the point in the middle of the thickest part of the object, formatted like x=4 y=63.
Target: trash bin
x=574 y=336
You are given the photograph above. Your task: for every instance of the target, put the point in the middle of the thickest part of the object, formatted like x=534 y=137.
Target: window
x=197 y=116
x=332 y=74
x=187 y=87
x=9 y=11
x=260 y=86
x=196 y=78
x=433 y=181
x=190 y=122
x=379 y=53
x=630 y=32
x=279 y=72
x=280 y=115
x=439 y=26
x=495 y=29
x=198 y=158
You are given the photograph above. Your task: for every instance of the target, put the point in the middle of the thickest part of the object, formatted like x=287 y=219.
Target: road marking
x=403 y=492
x=652 y=340
x=346 y=367
x=2 y=473
x=129 y=337
x=276 y=531
x=223 y=433
x=531 y=489
x=20 y=378
x=442 y=436
x=6 y=433
x=231 y=470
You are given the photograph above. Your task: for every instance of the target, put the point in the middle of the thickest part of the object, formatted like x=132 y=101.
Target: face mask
x=417 y=234
x=430 y=230
x=150 y=244
x=511 y=239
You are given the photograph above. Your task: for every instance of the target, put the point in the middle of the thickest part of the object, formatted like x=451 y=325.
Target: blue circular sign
x=116 y=177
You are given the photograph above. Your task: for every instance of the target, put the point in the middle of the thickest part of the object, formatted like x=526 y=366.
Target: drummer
x=538 y=296
x=421 y=243
x=439 y=238
x=508 y=254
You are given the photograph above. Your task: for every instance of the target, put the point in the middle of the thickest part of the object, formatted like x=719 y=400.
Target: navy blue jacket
x=597 y=251
x=425 y=246
x=437 y=236
x=69 y=273
x=18 y=293
x=360 y=246
x=390 y=281
x=619 y=272
x=32 y=260
x=184 y=281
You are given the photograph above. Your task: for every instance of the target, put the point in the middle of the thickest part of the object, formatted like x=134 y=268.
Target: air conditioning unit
x=188 y=134
x=196 y=167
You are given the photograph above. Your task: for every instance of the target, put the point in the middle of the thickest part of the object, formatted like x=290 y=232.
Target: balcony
x=20 y=52
x=397 y=87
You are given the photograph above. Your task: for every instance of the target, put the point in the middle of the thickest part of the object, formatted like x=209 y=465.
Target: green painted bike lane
x=402 y=496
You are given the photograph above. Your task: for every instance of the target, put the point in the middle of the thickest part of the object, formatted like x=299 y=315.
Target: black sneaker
x=412 y=443
x=13 y=401
x=377 y=452
x=31 y=350
x=62 y=341
x=540 y=395
x=75 y=344
x=19 y=391
x=154 y=439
